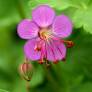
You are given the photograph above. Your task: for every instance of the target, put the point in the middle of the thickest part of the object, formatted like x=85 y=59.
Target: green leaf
x=8 y=12
x=83 y=18
x=78 y=3
x=57 y=4
x=2 y=90
x=85 y=87
x=13 y=11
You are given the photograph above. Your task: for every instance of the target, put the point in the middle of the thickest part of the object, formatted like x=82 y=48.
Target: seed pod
x=26 y=71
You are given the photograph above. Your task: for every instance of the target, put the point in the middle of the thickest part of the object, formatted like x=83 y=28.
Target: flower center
x=45 y=33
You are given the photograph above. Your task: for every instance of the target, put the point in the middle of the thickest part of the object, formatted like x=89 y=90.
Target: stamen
x=64 y=59
x=58 y=49
x=40 y=62
x=69 y=44
x=38 y=46
x=47 y=63
x=55 y=62
x=42 y=56
x=45 y=34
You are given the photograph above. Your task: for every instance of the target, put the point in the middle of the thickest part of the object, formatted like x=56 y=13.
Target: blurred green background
x=74 y=75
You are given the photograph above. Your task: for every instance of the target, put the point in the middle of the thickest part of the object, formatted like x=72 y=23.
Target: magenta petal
x=62 y=26
x=43 y=15
x=55 y=51
x=27 y=29
x=30 y=52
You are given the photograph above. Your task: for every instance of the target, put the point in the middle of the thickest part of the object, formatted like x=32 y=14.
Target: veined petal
x=27 y=29
x=55 y=51
x=62 y=26
x=30 y=52
x=43 y=15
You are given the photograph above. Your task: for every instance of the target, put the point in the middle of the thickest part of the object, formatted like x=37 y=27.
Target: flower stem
x=51 y=80
x=28 y=86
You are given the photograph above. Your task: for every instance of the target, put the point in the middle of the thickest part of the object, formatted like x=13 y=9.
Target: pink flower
x=45 y=33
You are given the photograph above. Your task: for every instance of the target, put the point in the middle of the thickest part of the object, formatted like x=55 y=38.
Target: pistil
x=45 y=33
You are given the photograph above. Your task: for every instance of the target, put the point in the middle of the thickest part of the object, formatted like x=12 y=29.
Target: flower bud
x=26 y=70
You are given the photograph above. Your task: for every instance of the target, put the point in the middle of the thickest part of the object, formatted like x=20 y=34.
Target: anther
x=69 y=44
x=37 y=48
x=64 y=59
x=47 y=64
x=41 y=61
x=55 y=62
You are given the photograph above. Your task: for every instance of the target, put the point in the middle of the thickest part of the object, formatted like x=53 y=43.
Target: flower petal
x=30 y=52
x=43 y=15
x=62 y=26
x=55 y=51
x=27 y=29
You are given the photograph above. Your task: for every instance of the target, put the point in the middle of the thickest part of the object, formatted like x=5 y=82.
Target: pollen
x=45 y=33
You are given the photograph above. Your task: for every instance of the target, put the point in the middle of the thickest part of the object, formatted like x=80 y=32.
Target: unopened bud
x=26 y=70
